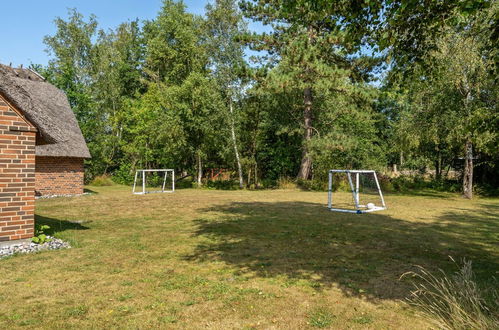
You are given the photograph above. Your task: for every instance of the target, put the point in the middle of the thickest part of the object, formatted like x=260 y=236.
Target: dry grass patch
x=238 y=259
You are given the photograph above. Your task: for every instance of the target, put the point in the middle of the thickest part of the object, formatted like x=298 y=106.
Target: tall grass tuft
x=102 y=181
x=455 y=301
x=286 y=183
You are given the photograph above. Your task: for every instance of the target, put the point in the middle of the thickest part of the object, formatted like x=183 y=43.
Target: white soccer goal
x=366 y=195
x=155 y=181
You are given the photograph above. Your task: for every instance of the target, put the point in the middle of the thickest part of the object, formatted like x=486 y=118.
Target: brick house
x=41 y=148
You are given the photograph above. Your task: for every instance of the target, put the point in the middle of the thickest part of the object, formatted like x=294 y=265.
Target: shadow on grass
x=89 y=191
x=57 y=225
x=426 y=193
x=362 y=254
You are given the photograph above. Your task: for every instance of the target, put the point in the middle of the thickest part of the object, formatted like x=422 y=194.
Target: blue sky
x=25 y=22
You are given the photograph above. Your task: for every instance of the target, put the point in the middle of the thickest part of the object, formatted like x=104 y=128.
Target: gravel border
x=55 y=196
x=30 y=247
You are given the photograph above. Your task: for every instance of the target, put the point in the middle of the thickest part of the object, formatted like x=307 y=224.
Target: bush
x=286 y=183
x=124 y=175
x=223 y=184
x=407 y=183
x=101 y=181
x=402 y=183
x=268 y=184
x=184 y=183
x=488 y=190
x=455 y=301
x=314 y=185
x=386 y=184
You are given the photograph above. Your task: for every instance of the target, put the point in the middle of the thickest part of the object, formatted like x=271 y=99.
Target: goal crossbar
x=354 y=187
x=143 y=174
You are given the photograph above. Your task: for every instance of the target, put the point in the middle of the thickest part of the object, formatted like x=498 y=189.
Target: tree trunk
x=200 y=169
x=468 y=171
x=438 y=166
x=256 y=175
x=234 y=142
x=306 y=161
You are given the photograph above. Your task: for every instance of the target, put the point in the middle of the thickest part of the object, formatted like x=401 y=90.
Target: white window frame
x=143 y=192
x=359 y=209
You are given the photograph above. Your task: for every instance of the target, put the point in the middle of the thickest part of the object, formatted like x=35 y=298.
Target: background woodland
x=410 y=85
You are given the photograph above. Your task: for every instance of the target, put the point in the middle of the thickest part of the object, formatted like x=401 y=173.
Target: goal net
x=354 y=191
x=154 y=181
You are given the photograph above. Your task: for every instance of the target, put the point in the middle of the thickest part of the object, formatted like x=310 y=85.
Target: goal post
x=365 y=190
x=141 y=177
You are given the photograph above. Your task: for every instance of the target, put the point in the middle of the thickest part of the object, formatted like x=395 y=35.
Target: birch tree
x=450 y=97
x=224 y=25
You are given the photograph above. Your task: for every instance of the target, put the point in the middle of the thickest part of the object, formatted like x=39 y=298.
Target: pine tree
x=311 y=51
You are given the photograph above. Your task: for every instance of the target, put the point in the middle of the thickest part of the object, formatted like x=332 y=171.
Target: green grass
x=321 y=318
x=239 y=259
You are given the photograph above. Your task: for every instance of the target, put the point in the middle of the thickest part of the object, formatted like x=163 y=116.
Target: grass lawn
x=239 y=259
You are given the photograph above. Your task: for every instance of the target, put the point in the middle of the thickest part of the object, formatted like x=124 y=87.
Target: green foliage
x=40 y=236
x=178 y=91
x=102 y=181
x=414 y=183
x=364 y=319
x=224 y=24
x=173 y=48
x=316 y=67
x=124 y=174
x=450 y=103
x=316 y=185
x=222 y=184
x=321 y=318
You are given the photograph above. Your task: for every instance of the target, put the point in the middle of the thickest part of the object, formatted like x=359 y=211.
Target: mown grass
x=239 y=259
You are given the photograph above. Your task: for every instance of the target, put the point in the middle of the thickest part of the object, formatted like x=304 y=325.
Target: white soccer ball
x=370 y=206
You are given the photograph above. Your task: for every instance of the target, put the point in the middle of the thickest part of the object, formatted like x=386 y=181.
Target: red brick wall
x=17 y=174
x=59 y=176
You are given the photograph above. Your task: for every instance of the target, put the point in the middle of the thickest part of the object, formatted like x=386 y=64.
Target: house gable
x=17 y=173
x=47 y=107
x=12 y=119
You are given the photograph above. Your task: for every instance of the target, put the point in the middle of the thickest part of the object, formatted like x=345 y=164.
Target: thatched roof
x=47 y=107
